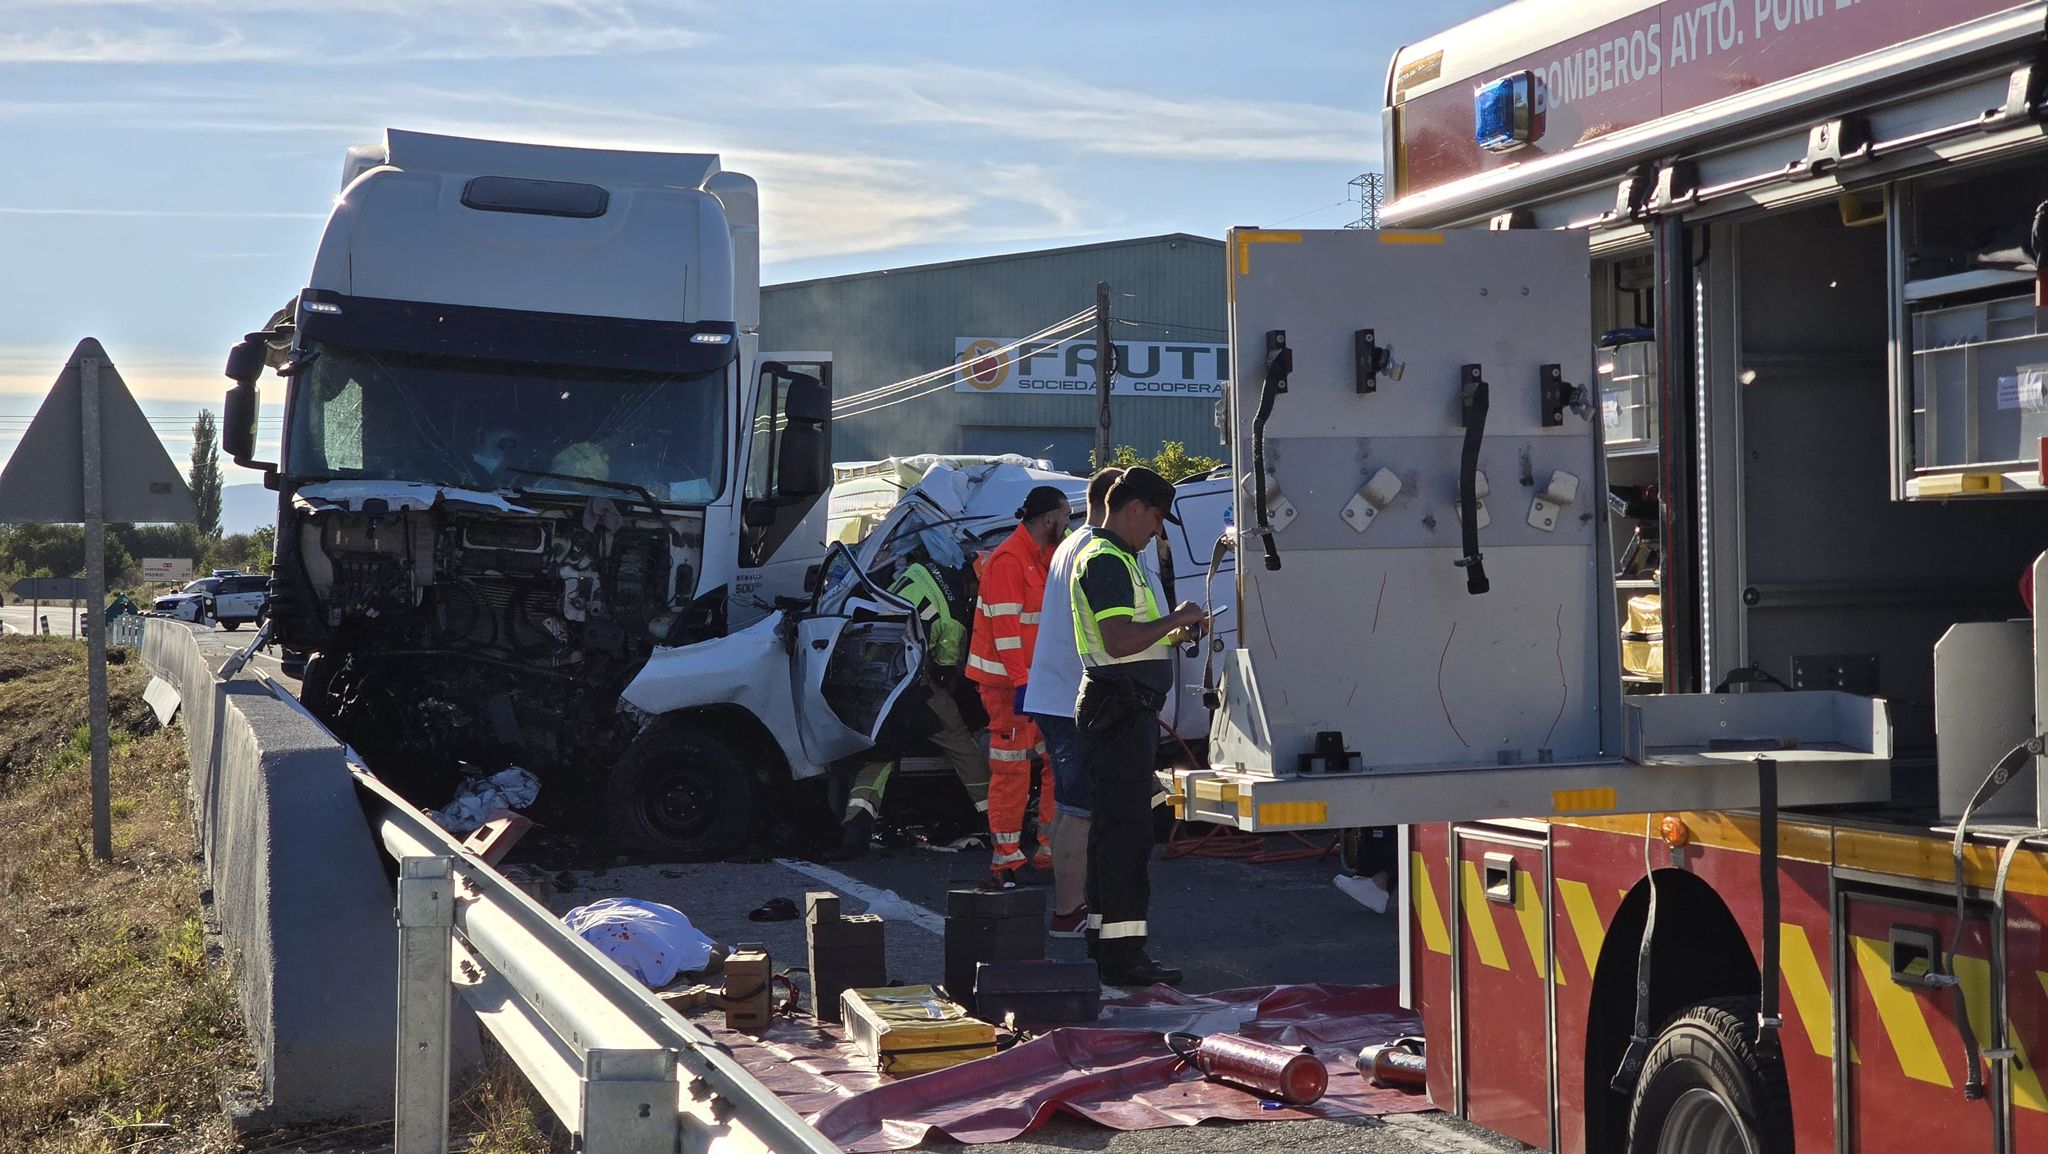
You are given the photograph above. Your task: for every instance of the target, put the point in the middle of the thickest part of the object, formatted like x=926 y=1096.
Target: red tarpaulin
x=1118 y=1073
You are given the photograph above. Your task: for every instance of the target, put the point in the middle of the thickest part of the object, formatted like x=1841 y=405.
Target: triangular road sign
x=45 y=479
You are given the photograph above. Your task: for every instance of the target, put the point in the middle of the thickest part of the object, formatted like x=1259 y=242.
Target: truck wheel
x=230 y=626
x=1706 y=1090
x=681 y=794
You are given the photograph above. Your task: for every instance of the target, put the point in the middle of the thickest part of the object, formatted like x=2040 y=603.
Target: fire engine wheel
x=681 y=794
x=1705 y=1089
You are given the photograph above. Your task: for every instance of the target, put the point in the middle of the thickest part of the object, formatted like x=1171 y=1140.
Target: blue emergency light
x=1508 y=113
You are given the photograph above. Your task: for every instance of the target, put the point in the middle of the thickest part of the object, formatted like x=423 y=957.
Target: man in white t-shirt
x=1049 y=700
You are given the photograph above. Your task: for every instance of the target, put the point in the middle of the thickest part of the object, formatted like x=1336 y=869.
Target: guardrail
x=125 y=630
x=622 y=1070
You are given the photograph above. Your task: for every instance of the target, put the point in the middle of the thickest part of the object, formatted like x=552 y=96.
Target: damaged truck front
x=528 y=438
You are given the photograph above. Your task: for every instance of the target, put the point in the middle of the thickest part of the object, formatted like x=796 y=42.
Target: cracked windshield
x=380 y=415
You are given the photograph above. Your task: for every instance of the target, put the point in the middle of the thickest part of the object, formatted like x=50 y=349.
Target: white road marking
x=920 y=917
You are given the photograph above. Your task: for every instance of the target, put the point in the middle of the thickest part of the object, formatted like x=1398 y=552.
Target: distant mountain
x=246 y=508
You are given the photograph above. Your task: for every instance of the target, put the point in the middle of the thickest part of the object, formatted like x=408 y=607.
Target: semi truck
x=1771 y=274
x=529 y=438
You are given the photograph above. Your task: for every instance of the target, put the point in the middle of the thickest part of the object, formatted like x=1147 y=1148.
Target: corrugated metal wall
x=887 y=326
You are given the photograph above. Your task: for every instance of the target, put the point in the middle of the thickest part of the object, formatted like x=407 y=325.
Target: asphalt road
x=22 y=619
x=1227 y=923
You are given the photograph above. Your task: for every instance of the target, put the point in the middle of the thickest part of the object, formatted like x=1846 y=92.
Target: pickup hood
x=749 y=668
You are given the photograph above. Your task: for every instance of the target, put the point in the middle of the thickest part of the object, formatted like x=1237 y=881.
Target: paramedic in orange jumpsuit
x=999 y=662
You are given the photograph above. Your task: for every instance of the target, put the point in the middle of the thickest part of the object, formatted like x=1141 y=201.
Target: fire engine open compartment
x=1418 y=437
x=1969 y=412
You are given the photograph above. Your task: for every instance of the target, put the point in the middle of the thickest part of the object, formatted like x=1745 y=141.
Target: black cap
x=1042 y=500
x=1142 y=484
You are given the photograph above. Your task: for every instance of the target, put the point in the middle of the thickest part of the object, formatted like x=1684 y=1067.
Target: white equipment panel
x=1394 y=663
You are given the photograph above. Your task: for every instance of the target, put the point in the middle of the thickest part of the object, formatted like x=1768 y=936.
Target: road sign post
x=95 y=595
x=91 y=429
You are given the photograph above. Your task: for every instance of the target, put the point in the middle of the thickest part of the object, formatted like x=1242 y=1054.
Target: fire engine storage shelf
x=1979 y=393
x=1366 y=648
x=1691 y=751
x=1627 y=374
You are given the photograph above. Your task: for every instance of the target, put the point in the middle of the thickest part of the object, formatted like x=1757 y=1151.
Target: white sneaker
x=1365 y=892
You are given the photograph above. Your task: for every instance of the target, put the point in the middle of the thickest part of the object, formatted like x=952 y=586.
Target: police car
x=229 y=599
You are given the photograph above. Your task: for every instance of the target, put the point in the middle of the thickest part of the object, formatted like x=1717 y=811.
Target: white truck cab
x=529 y=439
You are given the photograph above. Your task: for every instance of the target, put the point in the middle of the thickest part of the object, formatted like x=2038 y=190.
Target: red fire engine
x=1815 y=230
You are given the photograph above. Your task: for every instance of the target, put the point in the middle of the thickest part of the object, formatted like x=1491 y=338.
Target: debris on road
x=479 y=797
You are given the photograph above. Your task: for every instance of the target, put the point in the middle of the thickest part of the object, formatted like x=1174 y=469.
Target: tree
x=1172 y=462
x=206 y=473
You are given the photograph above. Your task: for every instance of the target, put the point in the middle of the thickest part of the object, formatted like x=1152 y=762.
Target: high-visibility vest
x=1006 y=612
x=1088 y=620
x=928 y=595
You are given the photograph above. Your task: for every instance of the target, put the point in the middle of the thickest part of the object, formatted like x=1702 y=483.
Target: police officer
x=1125 y=643
x=928 y=709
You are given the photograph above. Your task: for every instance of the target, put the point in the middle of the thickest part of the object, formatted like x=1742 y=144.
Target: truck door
x=857 y=651
x=788 y=444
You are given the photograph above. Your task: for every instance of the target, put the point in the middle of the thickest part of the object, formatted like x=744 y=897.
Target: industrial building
x=1168 y=319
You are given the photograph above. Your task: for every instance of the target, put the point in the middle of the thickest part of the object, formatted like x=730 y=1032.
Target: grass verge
x=114 y=1030
x=117 y=1031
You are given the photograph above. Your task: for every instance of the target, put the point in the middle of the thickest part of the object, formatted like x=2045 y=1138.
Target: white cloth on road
x=474 y=802
x=648 y=940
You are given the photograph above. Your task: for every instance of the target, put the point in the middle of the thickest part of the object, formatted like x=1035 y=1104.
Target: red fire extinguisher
x=1296 y=1077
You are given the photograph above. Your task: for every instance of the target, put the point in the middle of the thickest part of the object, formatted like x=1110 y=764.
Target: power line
x=1172 y=325
x=1085 y=317
x=877 y=393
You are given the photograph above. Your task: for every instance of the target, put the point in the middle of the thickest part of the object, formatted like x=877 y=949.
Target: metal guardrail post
x=629 y=1101
x=426 y=921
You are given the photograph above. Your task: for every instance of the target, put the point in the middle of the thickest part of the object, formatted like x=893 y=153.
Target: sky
x=168 y=166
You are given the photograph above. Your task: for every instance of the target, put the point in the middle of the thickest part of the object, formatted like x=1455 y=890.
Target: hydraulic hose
x=1279 y=363
x=1478 y=398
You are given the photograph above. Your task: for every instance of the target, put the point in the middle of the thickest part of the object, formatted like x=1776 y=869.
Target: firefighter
x=926 y=710
x=1125 y=644
x=999 y=663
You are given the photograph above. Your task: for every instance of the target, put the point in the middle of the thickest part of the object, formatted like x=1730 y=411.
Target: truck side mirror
x=243 y=403
x=238 y=424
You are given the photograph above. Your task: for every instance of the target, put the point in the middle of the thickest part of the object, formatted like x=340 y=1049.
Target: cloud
x=1033 y=106
x=204 y=33
x=176 y=213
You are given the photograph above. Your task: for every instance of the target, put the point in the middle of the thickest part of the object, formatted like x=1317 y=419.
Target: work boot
x=1138 y=972
x=853 y=844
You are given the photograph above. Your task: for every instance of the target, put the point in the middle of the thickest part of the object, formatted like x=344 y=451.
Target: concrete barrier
x=299 y=889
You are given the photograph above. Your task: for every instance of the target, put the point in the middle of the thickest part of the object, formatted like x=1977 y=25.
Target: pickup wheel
x=230 y=626
x=681 y=794
x=1705 y=1088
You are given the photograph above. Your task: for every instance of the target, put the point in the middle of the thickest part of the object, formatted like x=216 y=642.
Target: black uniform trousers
x=1118 y=723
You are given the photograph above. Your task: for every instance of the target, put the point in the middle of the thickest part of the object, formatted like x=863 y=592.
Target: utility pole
x=1105 y=446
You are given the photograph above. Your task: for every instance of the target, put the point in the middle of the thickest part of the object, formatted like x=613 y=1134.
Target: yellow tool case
x=913 y=1029
x=1642 y=637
